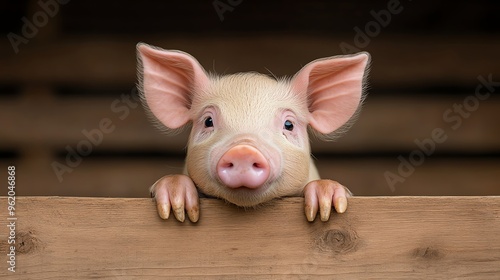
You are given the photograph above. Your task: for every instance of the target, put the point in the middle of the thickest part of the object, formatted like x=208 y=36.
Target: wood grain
x=399 y=60
x=378 y=237
x=132 y=177
x=385 y=124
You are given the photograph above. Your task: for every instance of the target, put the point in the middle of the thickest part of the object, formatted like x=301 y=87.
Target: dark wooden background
x=78 y=68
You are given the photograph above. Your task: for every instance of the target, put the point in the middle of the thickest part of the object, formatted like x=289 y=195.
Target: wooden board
x=386 y=124
x=397 y=61
x=378 y=237
x=320 y=17
x=132 y=177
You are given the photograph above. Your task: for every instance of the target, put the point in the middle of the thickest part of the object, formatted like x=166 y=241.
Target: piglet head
x=249 y=139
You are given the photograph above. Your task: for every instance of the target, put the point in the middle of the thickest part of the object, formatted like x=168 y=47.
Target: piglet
x=249 y=137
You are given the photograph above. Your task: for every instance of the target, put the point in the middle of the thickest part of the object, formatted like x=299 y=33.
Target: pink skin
x=243 y=166
x=249 y=140
x=177 y=192
x=324 y=193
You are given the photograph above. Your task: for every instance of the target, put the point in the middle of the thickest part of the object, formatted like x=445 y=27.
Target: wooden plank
x=378 y=237
x=397 y=61
x=386 y=124
x=319 y=17
x=132 y=177
x=453 y=176
x=92 y=177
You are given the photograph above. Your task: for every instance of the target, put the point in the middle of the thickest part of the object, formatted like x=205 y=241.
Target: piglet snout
x=243 y=166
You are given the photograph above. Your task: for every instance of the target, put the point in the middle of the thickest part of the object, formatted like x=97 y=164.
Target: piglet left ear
x=334 y=88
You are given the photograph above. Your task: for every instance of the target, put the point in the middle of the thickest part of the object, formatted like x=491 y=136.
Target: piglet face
x=249 y=140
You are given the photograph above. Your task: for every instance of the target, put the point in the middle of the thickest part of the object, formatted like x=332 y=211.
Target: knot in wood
x=337 y=240
x=428 y=253
x=27 y=242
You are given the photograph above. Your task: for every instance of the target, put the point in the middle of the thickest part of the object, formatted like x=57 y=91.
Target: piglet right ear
x=334 y=89
x=167 y=80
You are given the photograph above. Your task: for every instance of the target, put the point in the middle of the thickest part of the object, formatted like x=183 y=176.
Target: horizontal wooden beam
x=397 y=61
x=122 y=177
x=378 y=237
x=385 y=124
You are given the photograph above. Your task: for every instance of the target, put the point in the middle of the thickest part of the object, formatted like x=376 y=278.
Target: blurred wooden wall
x=74 y=73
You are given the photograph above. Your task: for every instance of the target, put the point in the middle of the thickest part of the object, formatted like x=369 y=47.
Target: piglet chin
x=247 y=197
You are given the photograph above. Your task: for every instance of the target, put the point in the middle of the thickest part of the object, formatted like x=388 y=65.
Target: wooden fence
x=58 y=96
x=377 y=238
x=434 y=69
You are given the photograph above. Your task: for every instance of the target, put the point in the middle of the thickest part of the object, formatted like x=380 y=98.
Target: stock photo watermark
x=47 y=9
x=11 y=218
x=222 y=7
x=454 y=117
x=373 y=28
x=92 y=138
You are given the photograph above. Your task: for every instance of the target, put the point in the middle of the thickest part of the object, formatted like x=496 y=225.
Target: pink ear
x=334 y=89
x=168 y=79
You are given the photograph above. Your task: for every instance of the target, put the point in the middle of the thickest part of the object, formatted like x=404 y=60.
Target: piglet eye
x=288 y=125
x=209 y=122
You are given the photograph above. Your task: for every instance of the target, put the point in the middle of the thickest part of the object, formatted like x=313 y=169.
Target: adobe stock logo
x=372 y=29
x=30 y=28
x=121 y=107
x=454 y=117
x=221 y=7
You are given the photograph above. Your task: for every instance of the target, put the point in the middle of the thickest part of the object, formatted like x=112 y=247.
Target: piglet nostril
x=243 y=166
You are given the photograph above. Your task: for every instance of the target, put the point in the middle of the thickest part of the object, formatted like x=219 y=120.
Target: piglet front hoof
x=320 y=194
x=179 y=193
